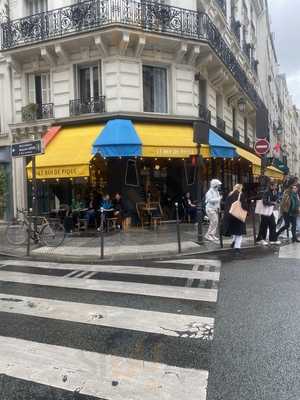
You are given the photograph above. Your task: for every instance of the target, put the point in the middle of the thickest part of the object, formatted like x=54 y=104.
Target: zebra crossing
x=107 y=332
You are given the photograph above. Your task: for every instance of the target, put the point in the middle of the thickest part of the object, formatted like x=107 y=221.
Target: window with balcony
x=246 y=130
x=39 y=104
x=155 y=90
x=88 y=86
x=219 y=109
x=36 y=6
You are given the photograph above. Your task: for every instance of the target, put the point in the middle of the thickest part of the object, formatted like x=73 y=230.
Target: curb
x=225 y=255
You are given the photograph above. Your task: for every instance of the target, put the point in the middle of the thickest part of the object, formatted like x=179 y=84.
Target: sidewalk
x=136 y=244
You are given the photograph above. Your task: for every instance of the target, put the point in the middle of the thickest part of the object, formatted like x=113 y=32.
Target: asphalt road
x=256 y=348
x=144 y=329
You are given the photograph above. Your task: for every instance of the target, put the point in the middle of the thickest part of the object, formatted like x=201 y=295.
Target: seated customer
x=91 y=209
x=119 y=209
x=77 y=205
x=106 y=203
x=190 y=207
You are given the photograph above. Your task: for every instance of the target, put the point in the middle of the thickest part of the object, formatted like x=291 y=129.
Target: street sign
x=262 y=146
x=27 y=149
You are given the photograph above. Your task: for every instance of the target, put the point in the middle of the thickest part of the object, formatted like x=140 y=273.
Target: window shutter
x=45 y=82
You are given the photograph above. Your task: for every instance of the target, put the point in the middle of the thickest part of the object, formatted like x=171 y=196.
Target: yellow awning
x=271 y=172
x=68 y=155
x=275 y=173
x=168 y=141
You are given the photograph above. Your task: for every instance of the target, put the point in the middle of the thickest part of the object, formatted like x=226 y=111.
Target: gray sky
x=285 y=24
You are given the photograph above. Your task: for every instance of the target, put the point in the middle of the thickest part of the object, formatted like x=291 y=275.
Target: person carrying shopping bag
x=290 y=210
x=265 y=208
x=212 y=202
x=234 y=222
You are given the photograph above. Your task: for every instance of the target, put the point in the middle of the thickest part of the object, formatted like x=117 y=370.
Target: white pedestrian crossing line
x=193 y=261
x=130 y=270
x=116 y=317
x=178 y=292
x=93 y=373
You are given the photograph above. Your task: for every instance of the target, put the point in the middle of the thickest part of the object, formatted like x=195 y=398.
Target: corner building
x=114 y=88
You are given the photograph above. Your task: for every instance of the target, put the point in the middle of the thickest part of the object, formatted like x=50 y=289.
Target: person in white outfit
x=212 y=202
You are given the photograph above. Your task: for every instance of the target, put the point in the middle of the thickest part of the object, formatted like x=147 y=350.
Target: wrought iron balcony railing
x=33 y=112
x=221 y=124
x=87 y=106
x=204 y=114
x=146 y=15
x=222 y=5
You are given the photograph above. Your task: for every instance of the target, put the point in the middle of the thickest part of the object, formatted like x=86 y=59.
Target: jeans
x=267 y=222
x=288 y=221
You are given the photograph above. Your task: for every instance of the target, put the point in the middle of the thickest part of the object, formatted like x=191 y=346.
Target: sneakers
x=263 y=243
x=209 y=238
x=277 y=243
x=216 y=239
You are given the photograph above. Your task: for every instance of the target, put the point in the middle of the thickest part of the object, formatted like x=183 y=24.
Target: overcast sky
x=285 y=24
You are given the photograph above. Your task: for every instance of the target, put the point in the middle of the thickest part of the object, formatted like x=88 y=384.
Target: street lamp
x=242 y=105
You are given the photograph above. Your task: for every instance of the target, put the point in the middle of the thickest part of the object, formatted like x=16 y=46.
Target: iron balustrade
x=87 y=106
x=221 y=124
x=146 y=15
x=34 y=112
x=204 y=114
x=222 y=5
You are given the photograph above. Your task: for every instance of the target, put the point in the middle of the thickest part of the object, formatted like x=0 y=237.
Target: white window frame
x=78 y=67
x=168 y=83
x=31 y=87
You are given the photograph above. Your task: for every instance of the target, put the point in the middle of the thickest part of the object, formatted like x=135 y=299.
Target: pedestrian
x=233 y=226
x=290 y=209
x=267 y=221
x=212 y=203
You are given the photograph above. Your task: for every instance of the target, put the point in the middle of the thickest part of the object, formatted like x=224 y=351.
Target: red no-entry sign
x=262 y=146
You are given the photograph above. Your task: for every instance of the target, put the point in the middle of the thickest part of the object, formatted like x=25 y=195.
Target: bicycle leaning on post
x=48 y=233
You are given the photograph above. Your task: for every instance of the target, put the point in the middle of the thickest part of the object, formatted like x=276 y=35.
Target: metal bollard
x=253 y=220
x=178 y=228
x=221 y=230
x=29 y=233
x=102 y=233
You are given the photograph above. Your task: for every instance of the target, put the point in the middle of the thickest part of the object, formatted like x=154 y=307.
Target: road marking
x=190 y=281
x=130 y=270
x=208 y=295
x=93 y=374
x=116 y=317
x=193 y=261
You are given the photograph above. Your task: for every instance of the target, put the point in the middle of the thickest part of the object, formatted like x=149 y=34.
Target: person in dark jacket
x=231 y=225
x=267 y=222
x=290 y=209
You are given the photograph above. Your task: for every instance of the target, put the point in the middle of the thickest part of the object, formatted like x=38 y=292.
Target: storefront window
x=155 y=89
x=5 y=202
x=131 y=177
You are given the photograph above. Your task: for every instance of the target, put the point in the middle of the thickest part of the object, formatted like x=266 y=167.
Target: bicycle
x=49 y=233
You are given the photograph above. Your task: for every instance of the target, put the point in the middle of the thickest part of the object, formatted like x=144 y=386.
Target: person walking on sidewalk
x=212 y=202
x=267 y=222
x=231 y=225
x=290 y=209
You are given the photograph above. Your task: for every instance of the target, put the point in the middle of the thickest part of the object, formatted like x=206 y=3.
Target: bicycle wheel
x=16 y=233
x=52 y=234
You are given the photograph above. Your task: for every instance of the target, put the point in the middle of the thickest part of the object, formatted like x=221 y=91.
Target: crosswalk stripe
x=207 y=295
x=94 y=373
x=131 y=270
x=117 y=317
x=194 y=261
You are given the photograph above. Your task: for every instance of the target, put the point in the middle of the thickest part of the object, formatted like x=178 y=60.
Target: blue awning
x=219 y=147
x=118 y=139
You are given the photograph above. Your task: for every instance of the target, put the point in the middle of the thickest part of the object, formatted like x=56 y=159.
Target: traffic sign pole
x=34 y=194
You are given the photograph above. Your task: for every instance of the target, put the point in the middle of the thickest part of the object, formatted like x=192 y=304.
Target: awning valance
x=219 y=147
x=68 y=154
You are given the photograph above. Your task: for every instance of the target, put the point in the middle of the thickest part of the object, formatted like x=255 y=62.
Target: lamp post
x=201 y=130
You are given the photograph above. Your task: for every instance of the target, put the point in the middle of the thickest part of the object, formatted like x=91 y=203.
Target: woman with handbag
x=267 y=221
x=234 y=222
